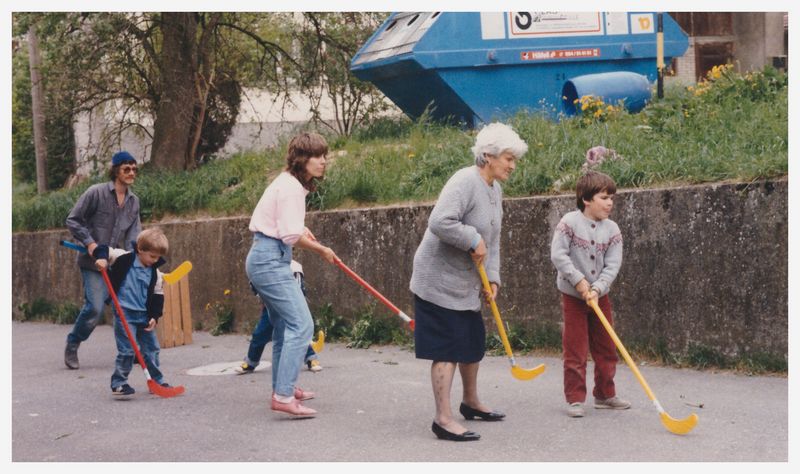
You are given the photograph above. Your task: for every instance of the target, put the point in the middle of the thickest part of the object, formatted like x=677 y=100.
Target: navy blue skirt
x=447 y=335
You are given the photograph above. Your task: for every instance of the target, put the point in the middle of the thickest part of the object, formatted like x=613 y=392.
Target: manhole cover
x=224 y=368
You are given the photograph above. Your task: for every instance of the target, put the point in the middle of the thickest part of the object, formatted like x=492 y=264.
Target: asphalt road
x=374 y=405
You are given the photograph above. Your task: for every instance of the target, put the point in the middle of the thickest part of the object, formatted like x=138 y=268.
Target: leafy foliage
x=222 y=310
x=58 y=124
x=41 y=309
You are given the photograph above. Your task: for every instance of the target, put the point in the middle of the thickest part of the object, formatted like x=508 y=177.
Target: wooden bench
x=175 y=325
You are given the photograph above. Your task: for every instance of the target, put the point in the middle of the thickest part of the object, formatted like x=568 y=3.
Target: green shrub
x=369 y=329
x=333 y=325
x=42 y=309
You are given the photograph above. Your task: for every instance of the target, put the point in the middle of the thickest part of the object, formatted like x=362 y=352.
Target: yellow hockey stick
x=675 y=426
x=517 y=371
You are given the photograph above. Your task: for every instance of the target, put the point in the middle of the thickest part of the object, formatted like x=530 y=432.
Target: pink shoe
x=303 y=395
x=294 y=408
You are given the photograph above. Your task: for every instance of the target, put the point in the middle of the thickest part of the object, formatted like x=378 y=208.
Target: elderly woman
x=463 y=230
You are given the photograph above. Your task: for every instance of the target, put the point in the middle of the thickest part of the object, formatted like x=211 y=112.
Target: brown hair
x=301 y=148
x=592 y=183
x=152 y=240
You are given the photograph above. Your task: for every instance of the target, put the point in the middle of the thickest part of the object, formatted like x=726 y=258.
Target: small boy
x=140 y=289
x=262 y=334
x=587 y=252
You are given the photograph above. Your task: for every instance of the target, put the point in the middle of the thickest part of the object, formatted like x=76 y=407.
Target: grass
x=730 y=127
x=42 y=309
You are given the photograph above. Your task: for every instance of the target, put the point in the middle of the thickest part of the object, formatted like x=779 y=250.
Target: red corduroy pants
x=584 y=333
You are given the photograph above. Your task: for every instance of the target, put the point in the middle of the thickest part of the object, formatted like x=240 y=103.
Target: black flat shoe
x=442 y=433
x=470 y=413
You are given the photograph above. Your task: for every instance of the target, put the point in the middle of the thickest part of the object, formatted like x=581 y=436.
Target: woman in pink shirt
x=278 y=225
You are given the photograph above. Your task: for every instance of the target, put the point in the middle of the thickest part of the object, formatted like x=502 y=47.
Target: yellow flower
x=411 y=155
x=227 y=292
x=540 y=144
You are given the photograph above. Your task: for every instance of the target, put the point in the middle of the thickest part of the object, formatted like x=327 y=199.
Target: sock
x=283 y=399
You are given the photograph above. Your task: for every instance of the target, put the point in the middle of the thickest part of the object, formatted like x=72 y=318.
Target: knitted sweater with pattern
x=585 y=248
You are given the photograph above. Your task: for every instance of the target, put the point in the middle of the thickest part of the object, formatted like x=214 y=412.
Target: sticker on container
x=559 y=54
x=642 y=23
x=549 y=24
x=617 y=23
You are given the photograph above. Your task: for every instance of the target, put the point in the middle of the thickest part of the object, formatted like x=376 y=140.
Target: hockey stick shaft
x=374 y=292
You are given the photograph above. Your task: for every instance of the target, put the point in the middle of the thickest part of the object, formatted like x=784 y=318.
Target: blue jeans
x=95 y=295
x=262 y=334
x=268 y=268
x=148 y=346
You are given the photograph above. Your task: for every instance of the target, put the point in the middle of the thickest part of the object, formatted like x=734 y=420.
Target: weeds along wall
x=705 y=267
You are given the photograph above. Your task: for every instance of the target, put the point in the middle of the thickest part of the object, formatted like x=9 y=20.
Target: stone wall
x=703 y=265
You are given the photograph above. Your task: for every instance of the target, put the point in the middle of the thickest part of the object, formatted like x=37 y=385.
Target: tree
x=185 y=71
x=161 y=65
x=327 y=42
x=60 y=143
x=37 y=97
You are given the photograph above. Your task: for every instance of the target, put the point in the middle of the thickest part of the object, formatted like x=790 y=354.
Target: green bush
x=42 y=309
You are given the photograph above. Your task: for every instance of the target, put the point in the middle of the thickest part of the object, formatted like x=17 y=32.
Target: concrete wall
x=759 y=37
x=703 y=265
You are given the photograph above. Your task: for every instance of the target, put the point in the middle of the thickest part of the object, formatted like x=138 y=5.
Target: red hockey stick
x=375 y=293
x=165 y=392
x=368 y=287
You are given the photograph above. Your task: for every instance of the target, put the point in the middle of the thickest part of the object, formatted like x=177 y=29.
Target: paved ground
x=374 y=404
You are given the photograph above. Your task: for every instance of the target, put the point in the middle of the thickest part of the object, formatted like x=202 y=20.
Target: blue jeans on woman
x=95 y=295
x=262 y=334
x=268 y=267
x=148 y=346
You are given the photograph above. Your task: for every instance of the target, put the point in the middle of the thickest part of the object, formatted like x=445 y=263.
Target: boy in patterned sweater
x=587 y=252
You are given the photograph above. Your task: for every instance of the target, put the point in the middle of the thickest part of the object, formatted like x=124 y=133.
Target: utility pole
x=37 y=97
x=660 y=55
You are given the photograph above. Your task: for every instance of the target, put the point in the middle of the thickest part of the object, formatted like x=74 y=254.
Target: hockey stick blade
x=70 y=245
x=679 y=427
x=319 y=344
x=164 y=392
x=527 y=374
x=175 y=275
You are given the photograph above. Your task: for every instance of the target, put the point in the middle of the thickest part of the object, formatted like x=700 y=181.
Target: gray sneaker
x=576 y=410
x=613 y=403
x=71 y=355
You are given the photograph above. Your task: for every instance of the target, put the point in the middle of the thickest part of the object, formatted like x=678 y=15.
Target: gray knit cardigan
x=444 y=273
x=583 y=248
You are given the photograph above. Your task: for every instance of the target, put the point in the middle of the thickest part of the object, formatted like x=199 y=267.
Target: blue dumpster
x=474 y=67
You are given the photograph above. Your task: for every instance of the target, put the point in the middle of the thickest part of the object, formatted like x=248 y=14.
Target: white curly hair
x=494 y=139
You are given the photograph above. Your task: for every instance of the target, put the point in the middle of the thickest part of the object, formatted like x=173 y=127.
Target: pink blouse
x=281 y=211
